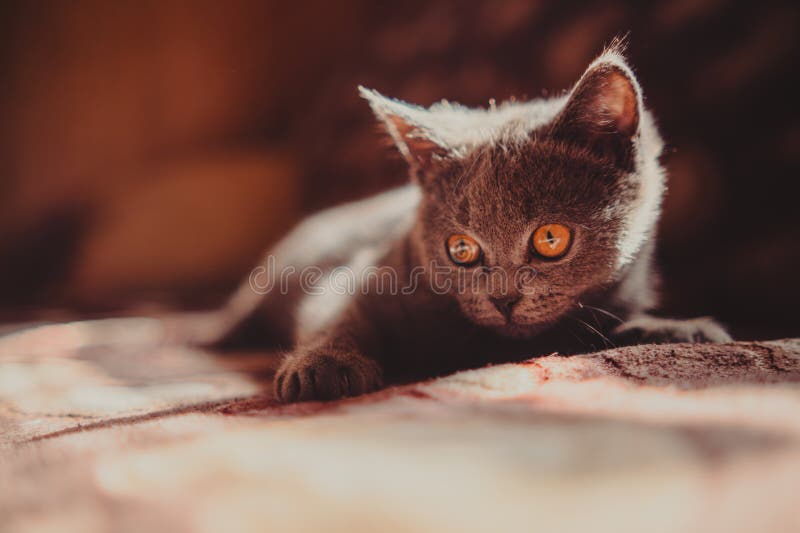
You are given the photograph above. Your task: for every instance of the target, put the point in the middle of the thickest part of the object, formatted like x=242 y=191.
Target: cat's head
x=529 y=207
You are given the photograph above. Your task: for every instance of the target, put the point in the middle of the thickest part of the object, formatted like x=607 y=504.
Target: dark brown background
x=149 y=150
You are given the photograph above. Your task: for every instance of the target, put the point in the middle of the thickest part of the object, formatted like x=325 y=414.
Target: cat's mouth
x=523 y=321
x=517 y=330
x=516 y=327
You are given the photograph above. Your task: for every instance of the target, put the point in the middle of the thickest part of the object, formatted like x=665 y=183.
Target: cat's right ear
x=405 y=125
x=604 y=108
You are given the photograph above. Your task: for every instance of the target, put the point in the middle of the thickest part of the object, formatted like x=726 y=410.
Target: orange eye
x=551 y=240
x=463 y=250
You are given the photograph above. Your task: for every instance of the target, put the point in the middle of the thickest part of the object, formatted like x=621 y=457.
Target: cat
x=527 y=228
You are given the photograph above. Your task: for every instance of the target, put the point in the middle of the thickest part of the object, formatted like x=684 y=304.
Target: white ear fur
x=608 y=96
x=641 y=219
x=405 y=124
x=460 y=129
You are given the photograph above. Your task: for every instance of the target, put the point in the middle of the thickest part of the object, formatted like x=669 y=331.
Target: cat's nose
x=505 y=303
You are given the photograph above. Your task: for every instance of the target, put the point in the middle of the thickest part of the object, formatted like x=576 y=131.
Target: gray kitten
x=527 y=228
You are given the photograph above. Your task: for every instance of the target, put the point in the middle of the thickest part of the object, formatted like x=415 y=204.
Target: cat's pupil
x=549 y=236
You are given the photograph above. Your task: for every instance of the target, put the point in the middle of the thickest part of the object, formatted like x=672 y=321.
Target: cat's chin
x=515 y=330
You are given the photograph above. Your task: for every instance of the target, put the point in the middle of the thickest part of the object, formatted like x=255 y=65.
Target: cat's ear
x=603 y=110
x=405 y=124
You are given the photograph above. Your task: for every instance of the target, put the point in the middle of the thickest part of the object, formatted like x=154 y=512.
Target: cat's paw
x=323 y=376
x=654 y=330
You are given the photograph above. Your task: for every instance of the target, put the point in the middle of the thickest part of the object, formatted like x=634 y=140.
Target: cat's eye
x=463 y=250
x=551 y=240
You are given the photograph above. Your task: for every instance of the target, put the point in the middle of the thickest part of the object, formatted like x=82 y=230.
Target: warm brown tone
x=694 y=438
x=150 y=150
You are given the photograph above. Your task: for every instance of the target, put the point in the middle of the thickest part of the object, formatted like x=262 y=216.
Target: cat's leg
x=334 y=363
x=646 y=329
x=326 y=373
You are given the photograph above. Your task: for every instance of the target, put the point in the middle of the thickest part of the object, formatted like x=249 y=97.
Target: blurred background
x=150 y=150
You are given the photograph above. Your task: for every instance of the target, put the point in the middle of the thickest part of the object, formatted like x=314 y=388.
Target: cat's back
x=333 y=236
x=264 y=308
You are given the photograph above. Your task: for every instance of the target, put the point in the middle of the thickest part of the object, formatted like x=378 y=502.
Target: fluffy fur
x=587 y=160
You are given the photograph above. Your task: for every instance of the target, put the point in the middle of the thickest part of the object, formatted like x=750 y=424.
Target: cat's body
x=402 y=285
x=419 y=331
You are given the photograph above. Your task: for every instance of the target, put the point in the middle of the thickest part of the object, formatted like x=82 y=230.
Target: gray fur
x=587 y=160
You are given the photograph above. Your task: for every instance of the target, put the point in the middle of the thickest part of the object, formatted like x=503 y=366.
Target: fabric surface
x=140 y=437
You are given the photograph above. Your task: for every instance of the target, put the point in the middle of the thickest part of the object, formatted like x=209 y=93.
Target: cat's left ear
x=603 y=110
x=406 y=125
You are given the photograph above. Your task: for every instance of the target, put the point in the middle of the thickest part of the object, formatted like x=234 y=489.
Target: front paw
x=654 y=330
x=325 y=376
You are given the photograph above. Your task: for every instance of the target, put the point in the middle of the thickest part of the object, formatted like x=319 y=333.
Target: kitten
x=527 y=228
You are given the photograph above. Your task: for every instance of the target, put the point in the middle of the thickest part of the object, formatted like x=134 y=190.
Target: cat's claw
x=312 y=376
x=655 y=330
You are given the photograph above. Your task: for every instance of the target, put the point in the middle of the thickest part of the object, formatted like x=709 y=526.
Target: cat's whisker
x=607 y=313
x=595 y=330
x=594 y=317
x=466 y=172
x=577 y=337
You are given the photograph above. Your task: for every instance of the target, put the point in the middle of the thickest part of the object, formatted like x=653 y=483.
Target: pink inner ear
x=617 y=99
x=420 y=148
